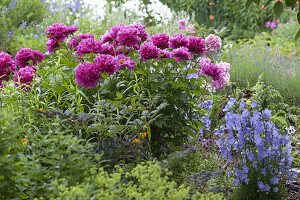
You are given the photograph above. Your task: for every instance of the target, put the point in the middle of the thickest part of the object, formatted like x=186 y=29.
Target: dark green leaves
x=297 y=35
x=290 y=3
x=248 y=3
x=278 y=9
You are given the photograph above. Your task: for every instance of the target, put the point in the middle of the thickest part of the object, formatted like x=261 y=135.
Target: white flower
x=290 y=130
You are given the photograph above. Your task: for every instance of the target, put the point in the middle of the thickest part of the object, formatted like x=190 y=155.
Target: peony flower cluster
x=56 y=34
x=23 y=66
x=272 y=24
x=110 y=53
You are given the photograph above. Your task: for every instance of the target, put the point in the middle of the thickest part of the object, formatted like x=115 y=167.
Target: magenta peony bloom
x=122 y=50
x=7 y=66
x=149 y=51
x=181 y=54
x=97 y=46
x=177 y=41
x=28 y=57
x=164 y=54
x=74 y=41
x=182 y=24
x=222 y=82
x=196 y=45
x=59 y=31
x=128 y=36
x=213 y=43
x=24 y=76
x=106 y=63
x=86 y=46
x=52 y=45
x=142 y=31
x=211 y=70
x=87 y=75
x=126 y=62
x=107 y=49
x=160 y=40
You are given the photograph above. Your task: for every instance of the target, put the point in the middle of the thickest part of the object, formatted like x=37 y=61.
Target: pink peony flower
x=181 y=54
x=52 y=45
x=26 y=57
x=74 y=41
x=213 y=43
x=177 y=41
x=128 y=36
x=126 y=62
x=87 y=75
x=24 y=76
x=149 y=51
x=191 y=29
x=142 y=31
x=182 y=24
x=59 y=31
x=212 y=71
x=106 y=63
x=224 y=66
x=86 y=46
x=196 y=45
x=204 y=62
x=160 y=40
x=164 y=54
x=107 y=49
x=7 y=66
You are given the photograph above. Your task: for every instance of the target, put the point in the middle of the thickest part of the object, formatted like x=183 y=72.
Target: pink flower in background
x=204 y=62
x=181 y=54
x=196 y=45
x=213 y=43
x=87 y=75
x=224 y=66
x=24 y=76
x=28 y=57
x=160 y=40
x=106 y=63
x=182 y=24
x=7 y=66
x=191 y=29
x=272 y=24
x=177 y=41
x=149 y=51
x=126 y=62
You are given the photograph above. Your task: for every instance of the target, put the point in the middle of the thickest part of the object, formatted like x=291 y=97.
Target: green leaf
x=248 y=3
x=297 y=35
x=290 y=3
x=256 y=1
x=278 y=9
x=268 y=2
x=298 y=16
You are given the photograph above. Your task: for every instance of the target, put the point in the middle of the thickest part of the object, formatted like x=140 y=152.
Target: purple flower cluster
x=272 y=24
x=56 y=34
x=160 y=40
x=74 y=41
x=87 y=75
x=250 y=139
x=219 y=73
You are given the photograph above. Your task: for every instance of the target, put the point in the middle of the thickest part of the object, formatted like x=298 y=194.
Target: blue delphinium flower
x=251 y=140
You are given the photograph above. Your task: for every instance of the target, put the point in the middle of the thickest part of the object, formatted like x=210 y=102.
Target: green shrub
x=233 y=14
x=145 y=181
